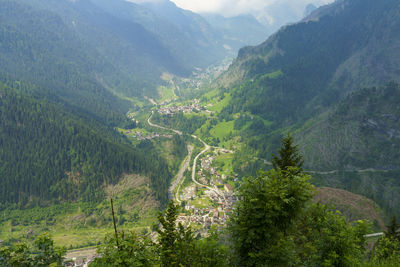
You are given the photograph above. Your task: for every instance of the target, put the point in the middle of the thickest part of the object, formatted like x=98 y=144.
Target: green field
x=76 y=225
x=222 y=129
x=273 y=75
x=201 y=203
x=214 y=102
x=165 y=94
x=224 y=163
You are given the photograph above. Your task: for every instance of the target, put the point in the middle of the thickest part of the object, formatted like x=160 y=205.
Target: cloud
x=145 y=1
x=259 y=8
x=272 y=12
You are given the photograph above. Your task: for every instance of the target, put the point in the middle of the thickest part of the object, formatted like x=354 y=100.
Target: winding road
x=161 y=127
x=185 y=164
x=179 y=177
x=207 y=147
x=359 y=171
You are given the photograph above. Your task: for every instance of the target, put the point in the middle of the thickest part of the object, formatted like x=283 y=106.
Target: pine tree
x=168 y=235
x=176 y=244
x=393 y=229
x=262 y=221
x=288 y=155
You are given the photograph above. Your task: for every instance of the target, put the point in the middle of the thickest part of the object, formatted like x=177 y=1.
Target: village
x=217 y=193
x=140 y=136
x=169 y=110
x=200 y=77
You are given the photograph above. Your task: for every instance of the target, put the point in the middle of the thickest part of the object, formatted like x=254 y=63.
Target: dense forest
x=180 y=121
x=360 y=133
x=310 y=78
x=52 y=153
x=274 y=223
x=72 y=70
x=64 y=67
x=310 y=65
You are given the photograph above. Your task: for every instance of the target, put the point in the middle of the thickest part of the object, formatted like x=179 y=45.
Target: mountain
x=355 y=145
x=346 y=46
x=113 y=46
x=356 y=132
x=64 y=65
x=203 y=37
x=309 y=9
x=308 y=78
x=52 y=153
x=238 y=31
x=120 y=55
x=280 y=13
x=192 y=42
x=38 y=47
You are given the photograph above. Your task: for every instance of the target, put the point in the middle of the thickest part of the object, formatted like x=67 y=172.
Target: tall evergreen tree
x=275 y=224
x=168 y=235
x=288 y=155
x=393 y=229
x=176 y=244
x=262 y=222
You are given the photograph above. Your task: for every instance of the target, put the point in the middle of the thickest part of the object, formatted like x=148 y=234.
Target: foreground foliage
x=44 y=253
x=175 y=246
x=274 y=223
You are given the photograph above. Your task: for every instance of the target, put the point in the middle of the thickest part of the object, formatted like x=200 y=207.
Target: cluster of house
x=206 y=167
x=131 y=116
x=205 y=220
x=140 y=136
x=185 y=109
x=80 y=261
x=206 y=75
x=211 y=215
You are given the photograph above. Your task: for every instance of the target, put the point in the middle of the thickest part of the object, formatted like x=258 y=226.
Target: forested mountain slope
x=36 y=46
x=308 y=78
x=356 y=144
x=193 y=39
x=304 y=67
x=85 y=48
x=49 y=153
x=187 y=34
x=362 y=131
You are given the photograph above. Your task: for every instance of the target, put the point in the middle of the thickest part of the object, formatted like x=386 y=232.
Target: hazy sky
x=235 y=7
x=264 y=10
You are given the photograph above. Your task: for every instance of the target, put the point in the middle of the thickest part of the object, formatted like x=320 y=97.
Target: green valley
x=129 y=136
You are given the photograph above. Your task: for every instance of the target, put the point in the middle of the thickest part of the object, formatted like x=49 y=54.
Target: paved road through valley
x=207 y=147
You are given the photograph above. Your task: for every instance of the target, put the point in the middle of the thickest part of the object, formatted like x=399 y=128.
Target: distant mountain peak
x=309 y=9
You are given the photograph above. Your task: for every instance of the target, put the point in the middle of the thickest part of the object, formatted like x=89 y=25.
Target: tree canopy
x=288 y=155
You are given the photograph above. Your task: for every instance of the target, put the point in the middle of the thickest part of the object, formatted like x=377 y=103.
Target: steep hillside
x=351 y=44
x=203 y=43
x=36 y=46
x=307 y=79
x=354 y=207
x=99 y=45
x=77 y=37
x=50 y=153
x=238 y=31
x=188 y=37
x=356 y=145
x=362 y=131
